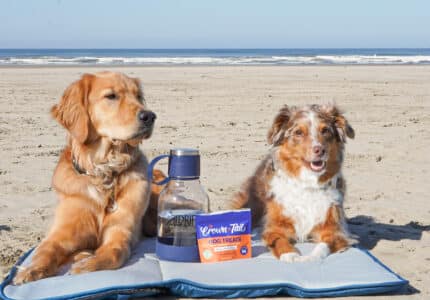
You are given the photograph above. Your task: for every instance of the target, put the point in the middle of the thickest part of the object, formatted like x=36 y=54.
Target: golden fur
x=100 y=179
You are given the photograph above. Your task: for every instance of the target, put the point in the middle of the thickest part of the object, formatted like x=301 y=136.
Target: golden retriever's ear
x=277 y=133
x=137 y=82
x=72 y=112
x=343 y=128
x=139 y=87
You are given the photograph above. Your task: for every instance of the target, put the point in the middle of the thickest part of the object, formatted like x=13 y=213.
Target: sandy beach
x=226 y=112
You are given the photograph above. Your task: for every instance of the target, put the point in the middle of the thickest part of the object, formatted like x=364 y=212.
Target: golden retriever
x=100 y=178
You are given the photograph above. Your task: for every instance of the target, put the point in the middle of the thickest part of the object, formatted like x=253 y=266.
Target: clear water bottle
x=181 y=199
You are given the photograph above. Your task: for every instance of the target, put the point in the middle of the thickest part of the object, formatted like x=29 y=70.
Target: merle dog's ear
x=71 y=112
x=343 y=128
x=276 y=133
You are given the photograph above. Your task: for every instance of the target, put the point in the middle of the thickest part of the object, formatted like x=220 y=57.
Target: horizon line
x=270 y=48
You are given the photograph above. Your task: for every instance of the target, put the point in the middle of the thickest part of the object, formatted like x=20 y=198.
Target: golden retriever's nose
x=147 y=117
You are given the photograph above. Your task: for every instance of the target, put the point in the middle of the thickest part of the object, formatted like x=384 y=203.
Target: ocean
x=214 y=56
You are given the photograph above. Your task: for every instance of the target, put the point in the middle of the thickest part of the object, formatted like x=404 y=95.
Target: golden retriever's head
x=105 y=104
x=310 y=137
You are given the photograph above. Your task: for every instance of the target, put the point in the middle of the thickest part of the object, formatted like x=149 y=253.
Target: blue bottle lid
x=184 y=152
x=184 y=163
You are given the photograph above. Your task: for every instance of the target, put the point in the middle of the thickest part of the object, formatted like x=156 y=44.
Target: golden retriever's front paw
x=85 y=265
x=29 y=274
x=82 y=255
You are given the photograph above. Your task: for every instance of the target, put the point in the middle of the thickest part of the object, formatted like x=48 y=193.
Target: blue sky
x=214 y=24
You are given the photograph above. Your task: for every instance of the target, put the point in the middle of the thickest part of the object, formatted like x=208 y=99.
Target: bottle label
x=181 y=220
x=177 y=227
x=224 y=236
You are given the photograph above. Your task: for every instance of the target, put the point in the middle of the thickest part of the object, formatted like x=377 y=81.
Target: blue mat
x=353 y=272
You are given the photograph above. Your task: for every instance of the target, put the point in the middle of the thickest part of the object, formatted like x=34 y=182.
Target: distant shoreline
x=222 y=57
x=116 y=66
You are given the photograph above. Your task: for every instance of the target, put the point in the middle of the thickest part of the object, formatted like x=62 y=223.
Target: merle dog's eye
x=111 y=96
x=298 y=132
x=325 y=130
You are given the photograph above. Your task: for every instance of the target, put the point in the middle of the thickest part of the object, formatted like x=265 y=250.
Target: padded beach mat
x=353 y=272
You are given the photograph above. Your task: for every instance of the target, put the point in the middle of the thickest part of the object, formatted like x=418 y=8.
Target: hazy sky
x=214 y=24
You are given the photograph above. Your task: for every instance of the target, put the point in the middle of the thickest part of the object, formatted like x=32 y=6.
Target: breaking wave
x=231 y=60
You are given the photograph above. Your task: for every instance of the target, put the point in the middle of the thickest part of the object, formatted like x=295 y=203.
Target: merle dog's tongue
x=317 y=165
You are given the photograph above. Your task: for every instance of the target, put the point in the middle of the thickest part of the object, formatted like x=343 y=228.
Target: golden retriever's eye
x=112 y=96
x=325 y=131
x=298 y=132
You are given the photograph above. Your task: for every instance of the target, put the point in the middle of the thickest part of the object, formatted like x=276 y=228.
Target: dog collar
x=78 y=168
x=112 y=205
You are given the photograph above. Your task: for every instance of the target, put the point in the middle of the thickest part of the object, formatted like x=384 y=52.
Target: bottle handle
x=151 y=168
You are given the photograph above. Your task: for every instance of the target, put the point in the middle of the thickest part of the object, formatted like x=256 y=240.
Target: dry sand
x=226 y=112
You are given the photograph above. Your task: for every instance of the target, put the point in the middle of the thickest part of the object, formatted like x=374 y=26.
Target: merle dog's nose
x=318 y=150
x=147 y=117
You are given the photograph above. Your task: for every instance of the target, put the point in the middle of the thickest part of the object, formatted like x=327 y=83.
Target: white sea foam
x=207 y=60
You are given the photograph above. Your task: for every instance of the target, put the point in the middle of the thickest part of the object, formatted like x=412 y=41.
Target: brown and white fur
x=297 y=191
x=100 y=179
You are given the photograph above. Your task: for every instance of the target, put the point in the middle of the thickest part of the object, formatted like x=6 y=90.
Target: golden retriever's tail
x=150 y=218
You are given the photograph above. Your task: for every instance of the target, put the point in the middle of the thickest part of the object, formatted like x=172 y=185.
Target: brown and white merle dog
x=297 y=191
